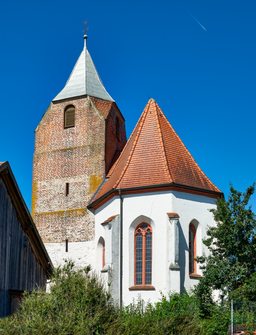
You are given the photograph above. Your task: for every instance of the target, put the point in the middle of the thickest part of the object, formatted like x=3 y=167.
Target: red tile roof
x=155 y=155
x=173 y=215
x=103 y=106
x=110 y=219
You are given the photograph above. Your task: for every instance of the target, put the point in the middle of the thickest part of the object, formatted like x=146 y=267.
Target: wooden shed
x=24 y=261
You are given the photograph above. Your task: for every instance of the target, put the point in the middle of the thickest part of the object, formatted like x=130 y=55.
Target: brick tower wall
x=80 y=156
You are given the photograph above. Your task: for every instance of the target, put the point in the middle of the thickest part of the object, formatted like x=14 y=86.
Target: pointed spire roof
x=155 y=155
x=84 y=80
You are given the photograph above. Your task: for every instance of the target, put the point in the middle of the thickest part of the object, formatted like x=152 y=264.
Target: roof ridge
x=190 y=155
x=161 y=141
x=97 y=73
x=111 y=171
x=142 y=119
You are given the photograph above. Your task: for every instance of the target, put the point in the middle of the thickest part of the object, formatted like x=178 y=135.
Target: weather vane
x=85 y=28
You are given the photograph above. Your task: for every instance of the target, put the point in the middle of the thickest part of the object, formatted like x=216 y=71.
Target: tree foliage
x=232 y=247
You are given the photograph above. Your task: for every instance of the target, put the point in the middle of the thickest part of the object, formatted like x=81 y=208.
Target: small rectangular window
x=67 y=189
x=66 y=245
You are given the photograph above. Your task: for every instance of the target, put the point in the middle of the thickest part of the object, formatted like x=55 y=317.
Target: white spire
x=84 y=80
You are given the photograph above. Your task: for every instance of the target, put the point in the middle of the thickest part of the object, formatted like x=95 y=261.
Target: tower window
x=69 y=117
x=67 y=189
x=117 y=128
x=143 y=254
x=192 y=248
x=66 y=245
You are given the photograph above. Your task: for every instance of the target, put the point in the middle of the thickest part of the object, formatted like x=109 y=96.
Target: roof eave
x=55 y=101
x=92 y=204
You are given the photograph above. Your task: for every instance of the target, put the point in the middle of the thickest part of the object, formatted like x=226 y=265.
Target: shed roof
x=84 y=80
x=155 y=155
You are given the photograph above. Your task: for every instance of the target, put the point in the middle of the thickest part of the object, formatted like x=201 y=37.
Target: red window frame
x=143 y=232
x=192 y=227
x=103 y=255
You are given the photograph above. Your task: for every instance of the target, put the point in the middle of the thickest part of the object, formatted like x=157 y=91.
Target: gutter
x=93 y=203
x=121 y=252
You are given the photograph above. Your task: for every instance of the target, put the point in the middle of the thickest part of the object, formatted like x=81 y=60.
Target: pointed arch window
x=143 y=254
x=192 y=248
x=69 y=117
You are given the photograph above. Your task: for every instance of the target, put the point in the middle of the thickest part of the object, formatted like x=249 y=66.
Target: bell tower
x=78 y=139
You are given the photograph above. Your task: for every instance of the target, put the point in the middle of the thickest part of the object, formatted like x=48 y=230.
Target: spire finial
x=85 y=36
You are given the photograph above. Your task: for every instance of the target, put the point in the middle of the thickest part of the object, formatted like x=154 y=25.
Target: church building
x=136 y=211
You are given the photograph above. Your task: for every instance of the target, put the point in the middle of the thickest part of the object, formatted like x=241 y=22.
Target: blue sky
x=204 y=80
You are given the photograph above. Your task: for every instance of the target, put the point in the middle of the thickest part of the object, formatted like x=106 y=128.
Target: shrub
x=174 y=314
x=78 y=304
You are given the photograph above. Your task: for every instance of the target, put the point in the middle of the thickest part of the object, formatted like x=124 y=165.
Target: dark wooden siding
x=19 y=269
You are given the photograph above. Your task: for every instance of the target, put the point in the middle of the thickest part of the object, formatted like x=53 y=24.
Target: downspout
x=121 y=251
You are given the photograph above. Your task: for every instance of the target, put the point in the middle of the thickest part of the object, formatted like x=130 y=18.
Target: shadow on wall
x=100 y=258
x=194 y=197
x=182 y=257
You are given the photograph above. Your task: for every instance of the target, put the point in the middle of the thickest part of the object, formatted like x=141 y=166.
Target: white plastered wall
x=82 y=253
x=152 y=208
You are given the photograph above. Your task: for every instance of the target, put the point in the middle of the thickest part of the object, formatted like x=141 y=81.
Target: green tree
x=232 y=247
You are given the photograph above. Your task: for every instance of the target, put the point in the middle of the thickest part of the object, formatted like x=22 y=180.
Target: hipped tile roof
x=103 y=106
x=155 y=155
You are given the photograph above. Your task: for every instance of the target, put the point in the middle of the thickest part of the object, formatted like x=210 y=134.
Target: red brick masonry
x=78 y=155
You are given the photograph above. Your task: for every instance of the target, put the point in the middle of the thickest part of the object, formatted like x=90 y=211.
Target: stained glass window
x=143 y=254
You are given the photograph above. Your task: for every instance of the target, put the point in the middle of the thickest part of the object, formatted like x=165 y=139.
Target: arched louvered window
x=143 y=254
x=192 y=248
x=69 y=117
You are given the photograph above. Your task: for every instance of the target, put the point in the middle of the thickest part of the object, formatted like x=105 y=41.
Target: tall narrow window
x=117 y=128
x=67 y=189
x=192 y=248
x=69 y=117
x=103 y=255
x=143 y=254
